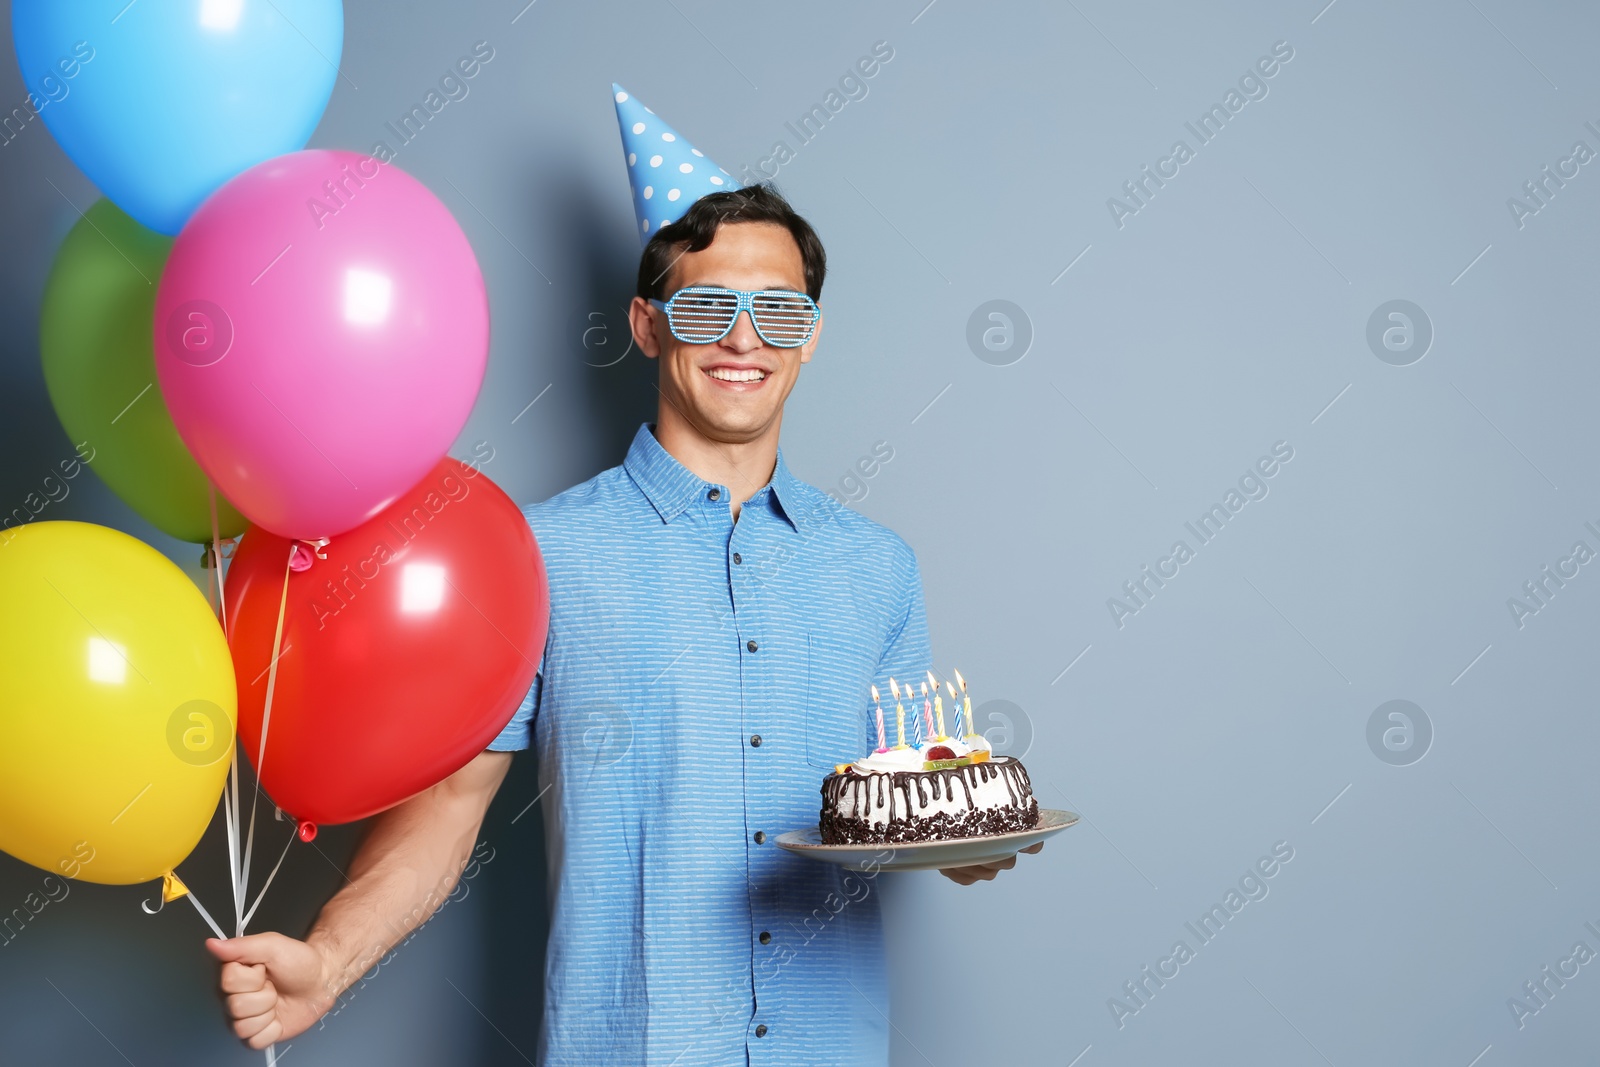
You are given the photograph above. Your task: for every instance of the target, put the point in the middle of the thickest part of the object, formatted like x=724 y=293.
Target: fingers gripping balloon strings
x=239 y=866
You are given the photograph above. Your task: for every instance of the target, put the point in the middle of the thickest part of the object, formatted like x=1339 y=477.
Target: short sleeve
x=517 y=734
x=514 y=738
x=907 y=651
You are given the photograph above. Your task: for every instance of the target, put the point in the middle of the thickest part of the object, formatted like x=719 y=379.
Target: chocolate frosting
x=893 y=790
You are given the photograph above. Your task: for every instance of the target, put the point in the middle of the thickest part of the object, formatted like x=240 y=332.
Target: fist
x=273 y=987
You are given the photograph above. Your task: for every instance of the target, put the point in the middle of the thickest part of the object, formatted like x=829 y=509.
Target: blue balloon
x=159 y=103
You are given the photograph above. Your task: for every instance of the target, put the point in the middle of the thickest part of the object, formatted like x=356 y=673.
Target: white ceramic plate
x=927 y=855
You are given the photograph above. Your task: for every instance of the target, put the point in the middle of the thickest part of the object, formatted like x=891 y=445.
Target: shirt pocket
x=837 y=702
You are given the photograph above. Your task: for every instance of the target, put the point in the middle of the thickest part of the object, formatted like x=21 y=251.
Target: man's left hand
x=983 y=872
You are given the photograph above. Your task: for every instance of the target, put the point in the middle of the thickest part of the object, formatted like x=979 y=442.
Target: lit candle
x=955 y=707
x=882 y=745
x=927 y=714
x=899 y=715
x=966 y=704
x=938 y=704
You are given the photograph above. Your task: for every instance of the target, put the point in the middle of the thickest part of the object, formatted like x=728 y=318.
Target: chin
x=735 y=423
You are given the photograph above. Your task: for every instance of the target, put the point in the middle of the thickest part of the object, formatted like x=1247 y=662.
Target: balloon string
x=266 y=720
x=230 y=797
x=216 y=558
x=293 y=833
x=231 y=820
x=230 y=793
x=206 y=915
x=272 y=1050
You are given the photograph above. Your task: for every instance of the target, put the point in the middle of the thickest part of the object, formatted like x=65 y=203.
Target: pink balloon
x=321 y=334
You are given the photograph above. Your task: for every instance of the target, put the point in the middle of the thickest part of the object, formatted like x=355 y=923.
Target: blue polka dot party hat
x=666 y=171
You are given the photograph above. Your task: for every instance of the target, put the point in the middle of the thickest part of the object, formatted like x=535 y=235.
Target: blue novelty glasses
x=701 y=314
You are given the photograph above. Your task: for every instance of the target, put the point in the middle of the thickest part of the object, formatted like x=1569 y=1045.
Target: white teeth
x=724 y=375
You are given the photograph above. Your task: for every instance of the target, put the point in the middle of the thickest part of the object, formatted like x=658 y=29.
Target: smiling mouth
x=725 y=374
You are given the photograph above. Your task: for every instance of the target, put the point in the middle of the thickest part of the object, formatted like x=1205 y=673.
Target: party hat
x=667 y=173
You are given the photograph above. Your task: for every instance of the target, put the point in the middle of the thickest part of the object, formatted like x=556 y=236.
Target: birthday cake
x=945 y=787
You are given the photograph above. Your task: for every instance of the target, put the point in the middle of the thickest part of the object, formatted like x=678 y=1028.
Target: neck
x=744 y=466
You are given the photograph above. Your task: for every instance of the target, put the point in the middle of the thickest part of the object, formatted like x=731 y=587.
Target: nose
x=743 y=337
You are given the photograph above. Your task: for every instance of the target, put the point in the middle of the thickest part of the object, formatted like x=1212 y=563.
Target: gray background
x=1231 y=712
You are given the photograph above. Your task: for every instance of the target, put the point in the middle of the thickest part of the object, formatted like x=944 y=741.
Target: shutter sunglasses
x=702 y=314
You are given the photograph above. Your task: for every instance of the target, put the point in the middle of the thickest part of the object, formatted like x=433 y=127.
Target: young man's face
x=731 y=390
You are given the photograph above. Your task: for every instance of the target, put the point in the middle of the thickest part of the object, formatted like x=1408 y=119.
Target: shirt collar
x=796 y=499
x=670 y=486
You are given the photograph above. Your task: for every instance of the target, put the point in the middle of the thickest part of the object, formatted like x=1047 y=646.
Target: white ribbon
x=239 y=865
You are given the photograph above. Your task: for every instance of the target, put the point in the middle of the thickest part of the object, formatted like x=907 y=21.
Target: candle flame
x=895 y=689
x=952 y=689
x=875 y=694
x=924 y=688
x=962 y=680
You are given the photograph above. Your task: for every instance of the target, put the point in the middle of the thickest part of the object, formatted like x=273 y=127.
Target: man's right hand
x=410 y=860
x=275 y=986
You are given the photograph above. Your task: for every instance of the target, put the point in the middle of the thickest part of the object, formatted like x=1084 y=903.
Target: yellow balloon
x=117 y=704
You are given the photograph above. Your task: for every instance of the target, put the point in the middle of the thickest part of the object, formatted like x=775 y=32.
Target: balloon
x=320 y=350
x=117 y=706
x=94 y=335
x=404 y=652
x=159 y=104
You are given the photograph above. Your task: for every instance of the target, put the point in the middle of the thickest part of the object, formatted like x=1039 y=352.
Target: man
x=715 y=626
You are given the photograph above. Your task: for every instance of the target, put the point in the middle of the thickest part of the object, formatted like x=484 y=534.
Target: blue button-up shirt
x=700 y=679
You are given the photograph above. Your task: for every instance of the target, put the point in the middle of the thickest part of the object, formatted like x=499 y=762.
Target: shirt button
x=738 y=558
x=766 y=938
x=761 y=837
x=755 y=740
x=761 y=1029
x=715 y=494
x=751 y=645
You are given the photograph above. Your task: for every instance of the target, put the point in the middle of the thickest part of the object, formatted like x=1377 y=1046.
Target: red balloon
x=405 y=650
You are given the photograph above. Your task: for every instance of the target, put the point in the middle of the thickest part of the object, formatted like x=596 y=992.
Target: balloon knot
x=301 y=556
x=208 y=551
x=308 y=831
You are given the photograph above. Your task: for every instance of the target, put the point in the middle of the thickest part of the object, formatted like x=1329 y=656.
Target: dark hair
x=693 y=232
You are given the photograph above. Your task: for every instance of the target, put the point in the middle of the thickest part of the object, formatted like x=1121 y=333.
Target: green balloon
x=95 y=338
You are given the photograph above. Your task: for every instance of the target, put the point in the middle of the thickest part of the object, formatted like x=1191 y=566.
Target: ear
x=816 y=332
x=642 y=319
